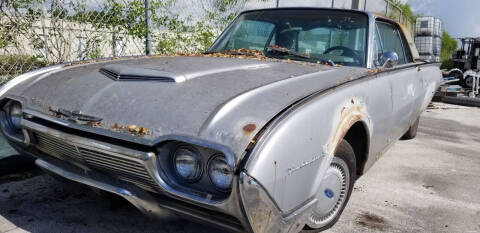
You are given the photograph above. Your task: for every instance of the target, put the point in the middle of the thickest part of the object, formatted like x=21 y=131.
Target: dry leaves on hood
x=131 y=129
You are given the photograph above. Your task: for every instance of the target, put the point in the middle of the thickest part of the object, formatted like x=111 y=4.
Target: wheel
x=335 y=190
x=412 y=131
x=457 y=74
x=468 y=81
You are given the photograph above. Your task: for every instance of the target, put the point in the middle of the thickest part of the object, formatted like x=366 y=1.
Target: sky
x=461 y=18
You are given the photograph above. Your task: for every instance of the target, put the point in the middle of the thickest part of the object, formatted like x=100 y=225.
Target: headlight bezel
x=231 y=171
x=202 y=187
x=12 y=130
x=196 y=154
x=16 y=126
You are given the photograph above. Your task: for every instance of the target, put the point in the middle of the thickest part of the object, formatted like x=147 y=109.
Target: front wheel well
x=358 y=137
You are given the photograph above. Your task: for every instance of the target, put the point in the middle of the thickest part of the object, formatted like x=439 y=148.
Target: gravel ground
x=429 y=184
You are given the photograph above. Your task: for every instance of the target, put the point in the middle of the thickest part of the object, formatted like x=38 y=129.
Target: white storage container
x=437 y=46
x=438 y=29
x=428 y=26
x=424 y=45
x=428 y=45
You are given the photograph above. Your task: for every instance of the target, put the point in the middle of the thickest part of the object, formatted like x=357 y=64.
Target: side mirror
x=388 y=59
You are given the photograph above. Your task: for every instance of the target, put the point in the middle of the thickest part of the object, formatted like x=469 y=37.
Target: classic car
x=267 y=131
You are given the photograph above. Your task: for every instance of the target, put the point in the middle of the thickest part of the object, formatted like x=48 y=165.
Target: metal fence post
x=278 y=3
x=333 y=3
x=148 y=39
x=388 y=8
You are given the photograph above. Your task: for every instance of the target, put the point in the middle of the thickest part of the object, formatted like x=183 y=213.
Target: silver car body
x=279 y=131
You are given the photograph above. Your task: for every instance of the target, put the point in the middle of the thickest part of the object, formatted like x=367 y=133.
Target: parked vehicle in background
x=265 y=132
x=466 y=61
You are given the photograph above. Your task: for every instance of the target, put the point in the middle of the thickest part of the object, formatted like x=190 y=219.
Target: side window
x=392 y=40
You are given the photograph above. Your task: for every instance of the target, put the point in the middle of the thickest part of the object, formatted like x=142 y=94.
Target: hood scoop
x=119 y=72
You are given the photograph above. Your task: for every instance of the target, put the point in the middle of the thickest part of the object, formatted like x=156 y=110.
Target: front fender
x=292 y=157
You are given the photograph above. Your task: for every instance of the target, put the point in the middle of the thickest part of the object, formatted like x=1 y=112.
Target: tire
x=464 y=101
x=457 y=74
x=468 y=82
x=339 y=179
x=412 y=131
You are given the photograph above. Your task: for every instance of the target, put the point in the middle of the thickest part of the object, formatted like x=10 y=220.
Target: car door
x=404 y=79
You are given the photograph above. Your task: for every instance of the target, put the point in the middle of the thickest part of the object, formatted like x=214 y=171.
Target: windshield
x=300 y=34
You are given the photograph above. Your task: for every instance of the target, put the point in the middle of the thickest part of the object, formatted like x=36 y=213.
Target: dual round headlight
x=188 y=164
x=189 y=167
x=11 y=122
x=220 y=172
x=14 y=115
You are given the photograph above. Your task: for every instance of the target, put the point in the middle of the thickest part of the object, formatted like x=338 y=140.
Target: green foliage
x=11 y=65
x=171 y=32
x=93 y=49
x=167 y=43
x=203 y=35
x=177 y=34
x=406 y=9
x=449 y=45
x=10 y=27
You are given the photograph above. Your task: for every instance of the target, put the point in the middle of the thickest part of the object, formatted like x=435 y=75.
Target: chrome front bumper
x=248 y=208
x=147 y=203
x=262 y=214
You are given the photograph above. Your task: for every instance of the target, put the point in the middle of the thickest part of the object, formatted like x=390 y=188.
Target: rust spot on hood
x=247 y=129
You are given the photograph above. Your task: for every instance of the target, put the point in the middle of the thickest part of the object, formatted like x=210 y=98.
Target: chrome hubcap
x=331 y=194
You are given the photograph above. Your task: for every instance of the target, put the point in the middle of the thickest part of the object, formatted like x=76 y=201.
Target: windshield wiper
x=237 y=52
x=285 y=51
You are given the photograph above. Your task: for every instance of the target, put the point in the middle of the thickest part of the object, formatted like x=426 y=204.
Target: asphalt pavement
x=5 y=149
x=429 y=184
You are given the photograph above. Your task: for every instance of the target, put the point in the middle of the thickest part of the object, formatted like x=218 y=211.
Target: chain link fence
x=37 y=33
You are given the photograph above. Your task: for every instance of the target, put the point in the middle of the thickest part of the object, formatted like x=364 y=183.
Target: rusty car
x=267 y=131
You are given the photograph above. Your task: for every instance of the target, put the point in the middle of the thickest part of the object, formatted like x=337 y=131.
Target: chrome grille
x=57 y=148
x=128 y=170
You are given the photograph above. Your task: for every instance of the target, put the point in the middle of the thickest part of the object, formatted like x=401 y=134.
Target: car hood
x=222 y=100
